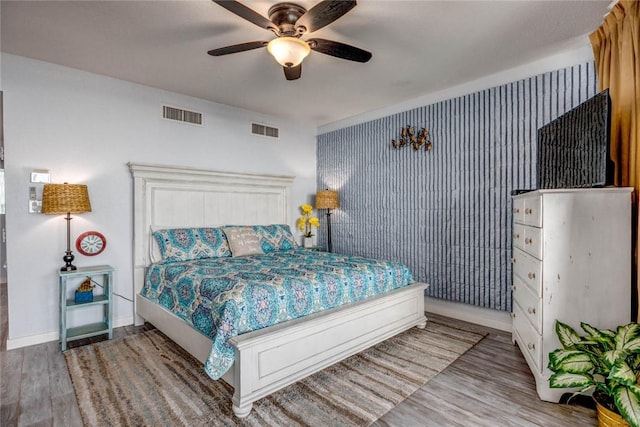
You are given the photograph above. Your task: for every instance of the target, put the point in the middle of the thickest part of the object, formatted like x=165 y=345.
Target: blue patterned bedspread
x=224 y=297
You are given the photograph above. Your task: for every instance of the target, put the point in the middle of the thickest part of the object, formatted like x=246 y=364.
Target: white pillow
x=243 y=241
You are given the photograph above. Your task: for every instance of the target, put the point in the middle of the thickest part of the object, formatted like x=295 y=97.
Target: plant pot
x=607 y=417
x=307 y=242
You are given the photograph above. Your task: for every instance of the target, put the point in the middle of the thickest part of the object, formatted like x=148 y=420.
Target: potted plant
x=604 y=362
x=305 y=224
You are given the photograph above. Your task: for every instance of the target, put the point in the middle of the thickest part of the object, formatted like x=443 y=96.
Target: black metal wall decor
x=409 y=137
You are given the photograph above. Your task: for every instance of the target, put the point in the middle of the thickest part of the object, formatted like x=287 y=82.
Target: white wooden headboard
x=167 y=196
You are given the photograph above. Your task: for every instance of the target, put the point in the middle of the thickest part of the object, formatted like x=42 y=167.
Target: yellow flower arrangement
x=306 y=221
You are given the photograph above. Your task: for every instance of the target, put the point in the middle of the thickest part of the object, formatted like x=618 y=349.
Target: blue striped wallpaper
x=446 y=213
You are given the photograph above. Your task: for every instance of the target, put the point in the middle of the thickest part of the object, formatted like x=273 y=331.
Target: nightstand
x=315 y=248
x=104 y=300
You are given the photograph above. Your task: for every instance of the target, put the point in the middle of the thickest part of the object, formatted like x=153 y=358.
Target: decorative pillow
x=243 y=241
x=155 y=255
x=275 y=237
x=185 y=244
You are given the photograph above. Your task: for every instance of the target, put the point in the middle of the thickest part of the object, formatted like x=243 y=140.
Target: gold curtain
x=616 y=48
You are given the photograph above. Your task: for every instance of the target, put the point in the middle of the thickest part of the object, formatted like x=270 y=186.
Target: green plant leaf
x=557 y=356
x=595 y=332
x=626 y=334
x=567 y=335
x=577 y=362
x=590 y=329
x=603 y=336
x=613 y=356
x=627 y=401
x=633 y=345
x=634 y=361
x=622 y=373
x=583 y=390
x=567 y=380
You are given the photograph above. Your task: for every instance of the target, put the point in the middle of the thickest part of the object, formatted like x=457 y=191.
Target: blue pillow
x=274 y=237
x=185 y=244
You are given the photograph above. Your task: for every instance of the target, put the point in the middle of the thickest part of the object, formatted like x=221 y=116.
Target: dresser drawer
x=532 y=211
x=530 y=303
x=531 y=341
x=518 y=236
x=532 y=241
x=518 y=210
x=528 y=269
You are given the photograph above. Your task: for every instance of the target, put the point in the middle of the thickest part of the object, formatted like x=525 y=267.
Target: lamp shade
x=327 y=199
x=288 y=51
x=65 y=198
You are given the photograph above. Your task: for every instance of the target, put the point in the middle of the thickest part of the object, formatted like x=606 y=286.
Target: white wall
x=84 y=128
x=579 y=52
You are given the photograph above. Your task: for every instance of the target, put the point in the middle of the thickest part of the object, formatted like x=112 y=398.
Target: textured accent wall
x=446 y=213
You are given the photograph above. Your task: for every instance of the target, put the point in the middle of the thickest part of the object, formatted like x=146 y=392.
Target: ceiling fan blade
x=339 y=50
x=236 y=48
x=247 y=13
x=324 y=13
x=293 y=73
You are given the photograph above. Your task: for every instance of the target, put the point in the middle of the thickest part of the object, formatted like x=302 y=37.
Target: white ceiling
x=418 y=47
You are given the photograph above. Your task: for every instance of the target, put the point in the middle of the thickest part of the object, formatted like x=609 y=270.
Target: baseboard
x=54 y=335
x=13 y=343
x=482 y=316
x=469 y=313
x=124 y=321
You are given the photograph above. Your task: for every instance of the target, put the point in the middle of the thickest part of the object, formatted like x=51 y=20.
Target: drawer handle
x=513 y=315
x=531 y=276
x=516 y=236
x=531 y=310
x=516 y=210
x=531 y=346
x=513 y=260
x=528 y=211
x=513 y=288
x=528 y=241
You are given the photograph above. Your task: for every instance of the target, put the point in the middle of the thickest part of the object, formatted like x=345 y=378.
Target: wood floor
x=490 y=385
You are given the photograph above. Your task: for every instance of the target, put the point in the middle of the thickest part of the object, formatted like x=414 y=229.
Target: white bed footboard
x=272 y=358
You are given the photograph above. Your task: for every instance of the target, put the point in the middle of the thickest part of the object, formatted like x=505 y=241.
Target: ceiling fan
x=289 y=22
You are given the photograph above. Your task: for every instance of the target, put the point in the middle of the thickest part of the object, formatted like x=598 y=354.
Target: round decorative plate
x=91 y=243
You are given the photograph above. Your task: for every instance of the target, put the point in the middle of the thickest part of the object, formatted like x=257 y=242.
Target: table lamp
x=327 y=199
x=59 y=199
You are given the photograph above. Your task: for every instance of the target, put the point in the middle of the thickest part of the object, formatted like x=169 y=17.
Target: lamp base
x=68 y=259
x=329 y=248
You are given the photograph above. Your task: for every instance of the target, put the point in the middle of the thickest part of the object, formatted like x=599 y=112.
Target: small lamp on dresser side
x=327 y=199
x=61 y=199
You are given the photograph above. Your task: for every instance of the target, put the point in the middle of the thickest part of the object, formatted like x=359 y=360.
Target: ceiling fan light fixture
x=288 y=51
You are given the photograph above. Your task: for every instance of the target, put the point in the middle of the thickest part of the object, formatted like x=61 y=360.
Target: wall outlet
x=35 y=206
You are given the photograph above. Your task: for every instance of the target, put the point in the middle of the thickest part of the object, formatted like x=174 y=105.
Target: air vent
x=179 y=115
x=264 y=130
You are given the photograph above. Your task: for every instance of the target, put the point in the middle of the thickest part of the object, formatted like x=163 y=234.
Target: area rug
x=147 y=380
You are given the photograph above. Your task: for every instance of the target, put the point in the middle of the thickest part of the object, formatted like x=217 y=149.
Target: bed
x=267 y=359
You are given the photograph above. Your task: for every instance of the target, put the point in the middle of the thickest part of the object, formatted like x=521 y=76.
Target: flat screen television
x=573 y=150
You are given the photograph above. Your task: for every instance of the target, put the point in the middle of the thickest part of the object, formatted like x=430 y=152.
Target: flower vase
x=307 y=242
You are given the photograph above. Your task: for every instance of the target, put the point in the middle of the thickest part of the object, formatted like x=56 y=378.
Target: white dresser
x=571 y=262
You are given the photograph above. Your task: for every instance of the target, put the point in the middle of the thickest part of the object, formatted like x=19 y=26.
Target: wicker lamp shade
x=327 y=199
x=65 y=198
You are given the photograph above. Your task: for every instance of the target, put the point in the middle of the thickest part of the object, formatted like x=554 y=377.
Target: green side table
x=104 y=300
